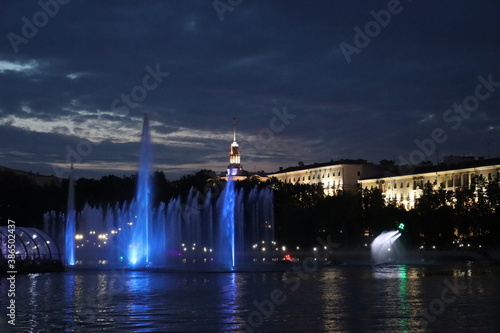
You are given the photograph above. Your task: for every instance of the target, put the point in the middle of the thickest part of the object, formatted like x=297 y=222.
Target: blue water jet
x=139 y=245
x=221 y=229
x=227 y=227
x=69 y=245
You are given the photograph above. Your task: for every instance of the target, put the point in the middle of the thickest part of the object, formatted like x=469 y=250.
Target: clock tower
x=234 y=168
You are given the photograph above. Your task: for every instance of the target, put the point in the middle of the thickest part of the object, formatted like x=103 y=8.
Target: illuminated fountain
x=222 y=230
x=70 y=227
x=226 y=248
x=138 y=251
x=383 y=248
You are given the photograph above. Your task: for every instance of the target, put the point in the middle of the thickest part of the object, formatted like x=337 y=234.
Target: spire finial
x=234 y=128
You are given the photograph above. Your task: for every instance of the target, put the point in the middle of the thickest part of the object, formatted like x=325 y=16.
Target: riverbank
x=417 y=257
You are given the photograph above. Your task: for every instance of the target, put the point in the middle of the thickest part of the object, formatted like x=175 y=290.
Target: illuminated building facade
x=401 y=188
x=406 y=189
x=334 y=175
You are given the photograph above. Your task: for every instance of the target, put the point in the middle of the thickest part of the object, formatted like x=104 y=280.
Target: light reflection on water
x=343 y=299
x=229 y=307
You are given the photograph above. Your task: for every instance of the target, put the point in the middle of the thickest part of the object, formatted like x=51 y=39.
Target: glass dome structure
x=31 y=245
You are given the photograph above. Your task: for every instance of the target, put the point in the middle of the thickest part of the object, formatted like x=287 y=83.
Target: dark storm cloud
x=264 y=55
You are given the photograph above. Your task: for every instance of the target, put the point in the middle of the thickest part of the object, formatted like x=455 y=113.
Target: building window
x=308 y=177
x=339 y=173
x=401 y=186
x=407 y=184
x=489 y=176
x=328 y=175
x=359 y=173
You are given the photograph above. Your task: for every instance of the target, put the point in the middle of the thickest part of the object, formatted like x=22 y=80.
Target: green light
x=121 y=258
x=401 y=226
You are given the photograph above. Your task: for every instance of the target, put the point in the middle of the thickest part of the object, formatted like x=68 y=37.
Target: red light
x=287 y=257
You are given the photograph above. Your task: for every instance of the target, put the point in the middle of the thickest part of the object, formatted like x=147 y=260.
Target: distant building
x=235 y=168
x=334 y=175
x=455 y=173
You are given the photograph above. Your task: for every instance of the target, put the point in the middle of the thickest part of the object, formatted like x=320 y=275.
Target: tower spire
x=234 y=128
x=234 y=168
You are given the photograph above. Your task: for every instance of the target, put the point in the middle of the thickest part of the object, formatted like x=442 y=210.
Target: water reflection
x=139 y=306
x=403 y=299
x=33 y=300
x=344 y=299
x=230 y=306
x=379 y=299
x=69 y=298
x=390 y=272
x=334 y=300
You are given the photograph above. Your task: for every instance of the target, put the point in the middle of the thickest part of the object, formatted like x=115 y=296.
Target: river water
x=400 y=298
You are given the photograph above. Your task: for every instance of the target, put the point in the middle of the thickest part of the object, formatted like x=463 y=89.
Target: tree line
x=441 y=218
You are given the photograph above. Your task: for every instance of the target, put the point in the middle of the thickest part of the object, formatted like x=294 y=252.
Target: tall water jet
x=141 y=226
x=383 y=247
x=216 y=230
x=226 y=248
x=69 y=247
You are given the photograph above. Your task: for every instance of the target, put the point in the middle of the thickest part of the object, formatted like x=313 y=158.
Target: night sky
x=302 y=80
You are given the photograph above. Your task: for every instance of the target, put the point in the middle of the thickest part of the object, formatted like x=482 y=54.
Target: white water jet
x=383 y=247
